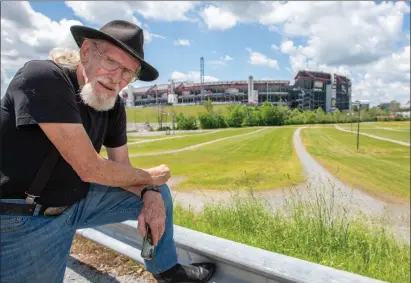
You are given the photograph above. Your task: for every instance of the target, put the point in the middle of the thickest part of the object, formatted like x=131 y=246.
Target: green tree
x=208 y=105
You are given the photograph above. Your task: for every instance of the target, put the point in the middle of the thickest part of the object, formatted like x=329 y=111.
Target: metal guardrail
x=236 y=263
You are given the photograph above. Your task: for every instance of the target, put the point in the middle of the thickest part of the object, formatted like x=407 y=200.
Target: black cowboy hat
x=125 y=35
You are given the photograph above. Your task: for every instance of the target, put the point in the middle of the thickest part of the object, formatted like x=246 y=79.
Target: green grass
x=399 y=136
x=266 y=158
x=171 y=144
x=399 y=133
x=379 y=167
x=150 y=113
x=316 y=231
x=394 y=124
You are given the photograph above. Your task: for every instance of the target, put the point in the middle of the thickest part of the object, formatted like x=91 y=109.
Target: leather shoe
x=193 y=273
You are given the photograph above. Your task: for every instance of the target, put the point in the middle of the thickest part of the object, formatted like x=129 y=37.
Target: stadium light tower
x=201 y=77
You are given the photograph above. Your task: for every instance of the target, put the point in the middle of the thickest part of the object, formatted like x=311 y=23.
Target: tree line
x=273 y=115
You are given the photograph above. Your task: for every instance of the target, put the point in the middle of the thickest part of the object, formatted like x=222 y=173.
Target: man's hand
x=159 y=175
x=153 y=213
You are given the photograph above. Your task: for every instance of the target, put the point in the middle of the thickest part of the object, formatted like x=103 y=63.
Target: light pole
x=358 y=125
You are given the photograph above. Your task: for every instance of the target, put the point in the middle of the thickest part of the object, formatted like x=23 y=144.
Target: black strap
x=43 y=175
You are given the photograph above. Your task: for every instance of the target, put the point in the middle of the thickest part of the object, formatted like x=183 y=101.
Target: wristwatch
x=149 y=188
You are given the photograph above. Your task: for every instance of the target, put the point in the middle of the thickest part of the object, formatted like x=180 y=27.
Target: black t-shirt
x=41 y=92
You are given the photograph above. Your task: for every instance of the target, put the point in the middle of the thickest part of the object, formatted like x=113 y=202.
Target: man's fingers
x=154 y=234
x=141 y=225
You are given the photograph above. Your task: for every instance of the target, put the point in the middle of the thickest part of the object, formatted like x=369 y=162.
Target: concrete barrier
x=236 y=263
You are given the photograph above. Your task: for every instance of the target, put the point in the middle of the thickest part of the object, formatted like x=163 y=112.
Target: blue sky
x=237 y=39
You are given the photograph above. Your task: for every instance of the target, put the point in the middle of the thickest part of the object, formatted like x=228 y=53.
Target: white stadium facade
x=310 y=90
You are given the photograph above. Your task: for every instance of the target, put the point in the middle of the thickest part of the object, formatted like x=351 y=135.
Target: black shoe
x=193 y=273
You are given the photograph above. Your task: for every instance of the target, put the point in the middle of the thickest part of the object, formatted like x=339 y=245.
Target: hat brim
x=148 y=73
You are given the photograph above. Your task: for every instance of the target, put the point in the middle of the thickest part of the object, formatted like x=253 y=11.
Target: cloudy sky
x=368 y=41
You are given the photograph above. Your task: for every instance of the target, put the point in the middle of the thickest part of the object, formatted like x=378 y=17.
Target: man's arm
x=74 y=145
x=153 y=210
x=120 y=155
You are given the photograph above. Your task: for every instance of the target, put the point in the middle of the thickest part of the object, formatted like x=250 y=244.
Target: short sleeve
x=43 y=94
x=117 y=127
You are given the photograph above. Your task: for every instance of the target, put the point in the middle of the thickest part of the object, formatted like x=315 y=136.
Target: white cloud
x=191 y=76
x=352 y=38
x=226 y=58
x=182 y=42
x=5 y=80
x=26 y=35
x=164 y=10
x=287 y=47
x=102 y=12
x=257 y=58
x=217 y=19
x=99 y=13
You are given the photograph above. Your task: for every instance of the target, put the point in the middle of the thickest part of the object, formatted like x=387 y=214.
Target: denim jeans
x=36 y=248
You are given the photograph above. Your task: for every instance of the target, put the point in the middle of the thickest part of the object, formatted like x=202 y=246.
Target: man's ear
x=85 y=51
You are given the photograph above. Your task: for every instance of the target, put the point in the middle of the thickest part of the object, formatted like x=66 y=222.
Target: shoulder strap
x=42 y=175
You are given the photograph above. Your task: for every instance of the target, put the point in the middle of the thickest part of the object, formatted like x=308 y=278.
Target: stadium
x=310 y=90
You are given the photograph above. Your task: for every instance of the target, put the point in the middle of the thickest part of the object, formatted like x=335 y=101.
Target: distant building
x=311 y=90
x=363 y=104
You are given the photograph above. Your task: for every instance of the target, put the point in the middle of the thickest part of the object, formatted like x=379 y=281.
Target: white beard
x=100 y=102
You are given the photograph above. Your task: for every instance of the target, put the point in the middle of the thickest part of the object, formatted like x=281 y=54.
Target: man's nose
x=117 y=75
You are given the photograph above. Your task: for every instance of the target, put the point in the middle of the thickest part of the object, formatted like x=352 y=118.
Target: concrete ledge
x=235 y=262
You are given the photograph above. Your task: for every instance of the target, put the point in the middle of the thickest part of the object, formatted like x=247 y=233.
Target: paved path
x=193 y=146
x=373 y=136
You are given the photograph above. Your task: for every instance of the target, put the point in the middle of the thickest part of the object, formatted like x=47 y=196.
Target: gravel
x=77 y=272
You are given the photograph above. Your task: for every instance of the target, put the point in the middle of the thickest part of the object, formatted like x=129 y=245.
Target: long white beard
x=100 y=102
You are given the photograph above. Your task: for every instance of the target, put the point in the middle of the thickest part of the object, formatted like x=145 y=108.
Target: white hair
x=66 y=57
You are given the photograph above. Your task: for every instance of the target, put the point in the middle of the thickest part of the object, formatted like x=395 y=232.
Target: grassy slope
x=379 y=167
x=310 y=234
x=170 y=144
x=264 y=160
x=150 y=113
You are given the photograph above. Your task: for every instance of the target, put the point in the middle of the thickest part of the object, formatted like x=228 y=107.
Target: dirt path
x=374 y=137
x=193 y=146
x=349 y=196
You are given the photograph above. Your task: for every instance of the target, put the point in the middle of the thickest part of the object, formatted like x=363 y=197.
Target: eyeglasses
x=112 y=65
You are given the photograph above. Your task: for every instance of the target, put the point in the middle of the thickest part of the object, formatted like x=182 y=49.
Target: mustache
x=108 y=83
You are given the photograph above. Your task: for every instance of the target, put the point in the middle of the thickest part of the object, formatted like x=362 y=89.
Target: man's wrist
x=148 y=189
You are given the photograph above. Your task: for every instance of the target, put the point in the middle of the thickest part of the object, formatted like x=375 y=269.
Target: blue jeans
x=36 y=248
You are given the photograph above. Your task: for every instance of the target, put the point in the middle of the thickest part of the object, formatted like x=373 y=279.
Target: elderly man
x=55 y=118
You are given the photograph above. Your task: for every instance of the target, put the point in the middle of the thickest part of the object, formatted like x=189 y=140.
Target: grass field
x=149 y=114
x=400 y=130
x=170 y=144
x=394 y=124
x=265 y=160
x=399 y=136
x=379 y=167
x=308 y=232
